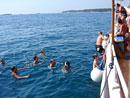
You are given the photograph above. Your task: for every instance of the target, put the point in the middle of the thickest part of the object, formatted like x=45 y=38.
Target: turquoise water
x=65 y=37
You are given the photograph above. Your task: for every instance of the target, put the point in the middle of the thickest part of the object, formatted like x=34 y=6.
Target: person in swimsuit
x=52 y=63
x=122 y=28
x=42 y=53
x=99 y=47
x=35 y=62
x=96 y=60
x=100 y=38
x=67 y=66
x=2 y=61
x=15 y=72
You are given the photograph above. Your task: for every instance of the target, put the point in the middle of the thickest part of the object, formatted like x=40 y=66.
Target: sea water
x=64 y=37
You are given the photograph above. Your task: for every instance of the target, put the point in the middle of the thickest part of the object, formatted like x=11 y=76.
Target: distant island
x=6 y=14
x=88 y=10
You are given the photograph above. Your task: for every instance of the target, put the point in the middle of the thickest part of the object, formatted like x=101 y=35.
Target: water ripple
x=65 y=37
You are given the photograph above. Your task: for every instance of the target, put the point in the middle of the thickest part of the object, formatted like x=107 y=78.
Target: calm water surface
x=65 y=37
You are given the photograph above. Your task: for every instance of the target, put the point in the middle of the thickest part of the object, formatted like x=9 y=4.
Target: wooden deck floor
x=125 y=66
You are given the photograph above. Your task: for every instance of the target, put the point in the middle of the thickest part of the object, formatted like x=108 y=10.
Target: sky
x=49 y=6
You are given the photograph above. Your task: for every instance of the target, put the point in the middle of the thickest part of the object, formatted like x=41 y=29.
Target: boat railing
x=120 y=75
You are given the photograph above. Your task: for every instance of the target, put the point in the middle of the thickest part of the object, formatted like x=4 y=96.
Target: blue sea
x=64 y=37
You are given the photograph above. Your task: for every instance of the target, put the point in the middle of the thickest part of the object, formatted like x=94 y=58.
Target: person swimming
x=2 y=61
x=2 y=67
x=42 y=53
x=66 y=67
x=15 y=73
x=95 y=60
x=52 y=63
x=35 y=62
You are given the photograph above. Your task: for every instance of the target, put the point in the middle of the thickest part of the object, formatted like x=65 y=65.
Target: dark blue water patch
x=65 y=37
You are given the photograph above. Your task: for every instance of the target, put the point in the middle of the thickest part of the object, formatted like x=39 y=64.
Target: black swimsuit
x=99 y=48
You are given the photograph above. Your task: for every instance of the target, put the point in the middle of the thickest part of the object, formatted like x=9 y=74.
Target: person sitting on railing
x=117 y=10
x=121 y=13
x=117 y=7
x=99 y=47
x=122 y=28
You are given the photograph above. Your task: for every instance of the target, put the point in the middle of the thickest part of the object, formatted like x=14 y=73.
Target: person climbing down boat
x=96 y=60
x=99 y=47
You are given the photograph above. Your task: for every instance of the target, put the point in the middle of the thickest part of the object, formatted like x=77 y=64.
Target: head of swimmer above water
x=14 y=69
x=67 y=64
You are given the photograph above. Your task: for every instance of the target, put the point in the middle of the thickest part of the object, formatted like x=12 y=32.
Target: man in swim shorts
x=99 y=47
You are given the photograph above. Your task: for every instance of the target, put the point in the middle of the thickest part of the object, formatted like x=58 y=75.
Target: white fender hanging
x=96 y=74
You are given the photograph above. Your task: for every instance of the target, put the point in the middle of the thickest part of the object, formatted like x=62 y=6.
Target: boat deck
x=125 y=66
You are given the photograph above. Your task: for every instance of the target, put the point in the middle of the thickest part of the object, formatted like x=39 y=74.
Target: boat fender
x=96 y=74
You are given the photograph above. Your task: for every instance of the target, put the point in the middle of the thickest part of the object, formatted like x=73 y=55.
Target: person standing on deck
x=99 y=47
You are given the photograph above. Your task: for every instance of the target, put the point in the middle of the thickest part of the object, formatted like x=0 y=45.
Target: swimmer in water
x=42 y=53
x=66 y=67
x=35 y=62
x=2 y=61
x=52 y=63
x=15 y=72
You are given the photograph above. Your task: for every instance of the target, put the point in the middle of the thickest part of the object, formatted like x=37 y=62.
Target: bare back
x=99 y=40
